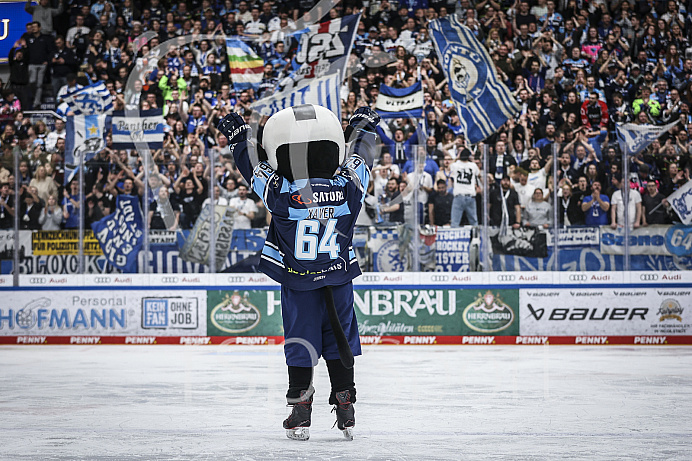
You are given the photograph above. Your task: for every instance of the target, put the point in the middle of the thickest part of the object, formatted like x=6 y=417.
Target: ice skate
x=298 y=422
x=345 y=414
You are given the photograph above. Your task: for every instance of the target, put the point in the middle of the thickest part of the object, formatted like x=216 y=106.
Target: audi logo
x=439 y=278
x=37 y=280
x=371 y=278
x=577 y=277
x=102 y=280
x=506 y=278
x=648 y=277
x=169 y=279
x=236 y=279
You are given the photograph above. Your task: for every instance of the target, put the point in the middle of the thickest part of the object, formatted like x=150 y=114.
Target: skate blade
x=348 y=433
x=298 y=433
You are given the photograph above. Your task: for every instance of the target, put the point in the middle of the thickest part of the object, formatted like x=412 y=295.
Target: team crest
x=466 y=69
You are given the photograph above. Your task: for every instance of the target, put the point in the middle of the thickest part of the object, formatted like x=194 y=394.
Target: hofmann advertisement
x=109 y=313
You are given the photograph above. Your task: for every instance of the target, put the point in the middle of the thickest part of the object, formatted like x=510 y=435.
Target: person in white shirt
x=254 y=26
x=538 y=177
x=78 y=29
x=58 y=133
x=523 y=188
x=466 y=179
x=245 y=209
x=617 y=208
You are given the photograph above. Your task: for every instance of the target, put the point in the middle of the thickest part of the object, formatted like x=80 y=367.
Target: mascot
x=314 y=191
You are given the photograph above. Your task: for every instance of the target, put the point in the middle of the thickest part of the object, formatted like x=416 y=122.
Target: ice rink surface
x=414 y=403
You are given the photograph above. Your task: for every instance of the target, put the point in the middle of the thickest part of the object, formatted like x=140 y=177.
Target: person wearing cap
x=465 y=175
x=505 y=210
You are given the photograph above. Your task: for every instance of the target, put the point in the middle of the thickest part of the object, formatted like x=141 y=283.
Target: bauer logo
x=235 y=314
x=488 y=314
x=169 y=313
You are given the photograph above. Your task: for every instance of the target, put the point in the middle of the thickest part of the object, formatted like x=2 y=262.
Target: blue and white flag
x=197 y=247
x=472 y=79
x=91 y=100
x=400 y=102
x=120 y=234
x=84 y=137
x=681 y=201
x=323 y=49
x=322 y=92
x=633 y=138
x=147 y=128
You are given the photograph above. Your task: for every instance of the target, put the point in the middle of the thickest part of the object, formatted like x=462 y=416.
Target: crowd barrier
x=482 y=308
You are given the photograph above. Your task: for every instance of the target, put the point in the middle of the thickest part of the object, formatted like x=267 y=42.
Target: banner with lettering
x=147 y=128
x=198 y=244
x=121 y=233
x=400 y=102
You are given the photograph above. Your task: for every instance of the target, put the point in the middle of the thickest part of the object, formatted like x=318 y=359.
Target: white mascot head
x=304 y=141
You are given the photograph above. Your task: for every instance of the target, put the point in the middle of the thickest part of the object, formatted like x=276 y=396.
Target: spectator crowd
x=576 y=69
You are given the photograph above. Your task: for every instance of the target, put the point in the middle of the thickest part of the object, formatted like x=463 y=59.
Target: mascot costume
x=314 y=191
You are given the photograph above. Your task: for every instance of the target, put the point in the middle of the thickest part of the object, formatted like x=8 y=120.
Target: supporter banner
x=91 y=100
x=321 y=91
x=575 y=237
x=65 y=242
x=400 y=102
x=649 y=240
x=525 y=241
x=453 y=249
x=679 y=240
x=384 y=247
x=247 y=69
x=603 y=311
x=589 y=259
x=681 y=201
x=84 y=137
x=246 y=313
x=147 y=128
x=12 y=26
x=79 y=313
x=482 y=100
x=121 y=233
x=323 y=49
x=634 y=138
x=198 y=244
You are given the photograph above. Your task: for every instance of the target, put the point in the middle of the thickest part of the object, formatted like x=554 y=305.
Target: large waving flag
x=323 y=49
x=84 y=137
x=246 y=67
x=400 y=102
x=481 y=99
x=633 y=138
x=90 y=100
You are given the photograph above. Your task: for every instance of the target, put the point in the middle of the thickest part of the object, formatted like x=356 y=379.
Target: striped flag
x=91 y=100
x=633 y=138
x=85 y=135
x=247 y=69
x=482 y=101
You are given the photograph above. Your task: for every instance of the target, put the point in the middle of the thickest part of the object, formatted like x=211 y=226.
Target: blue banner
x=12 y=26
x=400 y=102
x=84 y=137
x=147 y=128
x=482 y=101
x=120 y=234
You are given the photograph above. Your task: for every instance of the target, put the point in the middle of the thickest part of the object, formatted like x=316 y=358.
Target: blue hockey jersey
x=308 y=244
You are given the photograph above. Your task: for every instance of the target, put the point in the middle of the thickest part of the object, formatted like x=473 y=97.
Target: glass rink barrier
x=429 y=208
x=456 y=246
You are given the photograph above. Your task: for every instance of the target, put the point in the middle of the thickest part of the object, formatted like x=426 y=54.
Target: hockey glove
x=234 y=128
x=364 y=119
